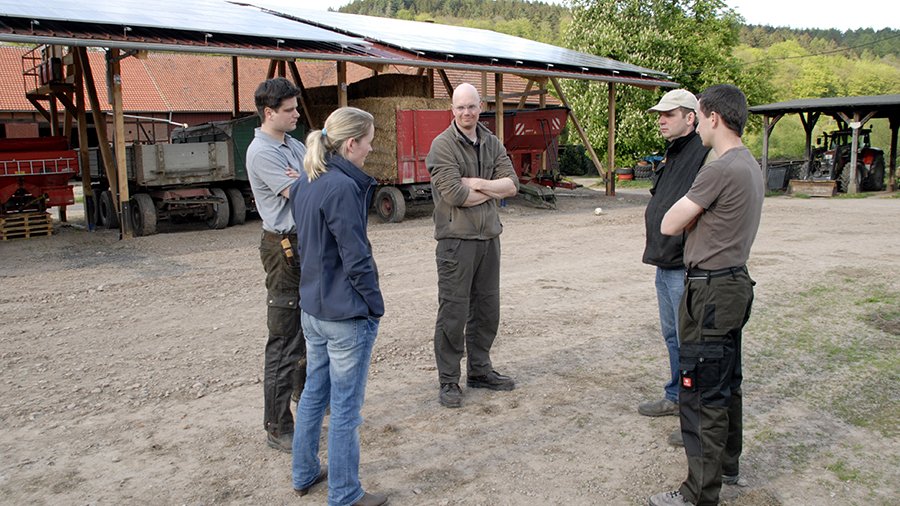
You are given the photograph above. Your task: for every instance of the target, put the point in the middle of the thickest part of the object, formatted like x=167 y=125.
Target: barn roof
x=230 y=28
x=885 y=106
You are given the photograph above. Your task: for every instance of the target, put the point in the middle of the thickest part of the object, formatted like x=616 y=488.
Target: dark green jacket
x=452 y=157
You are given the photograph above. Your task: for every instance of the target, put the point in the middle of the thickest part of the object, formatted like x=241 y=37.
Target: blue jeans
x=336 y=370
x=669 y=290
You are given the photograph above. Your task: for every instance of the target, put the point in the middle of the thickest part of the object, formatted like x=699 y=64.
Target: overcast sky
x=841 y=14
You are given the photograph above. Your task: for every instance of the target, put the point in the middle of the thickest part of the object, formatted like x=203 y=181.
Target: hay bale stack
x=382 y=162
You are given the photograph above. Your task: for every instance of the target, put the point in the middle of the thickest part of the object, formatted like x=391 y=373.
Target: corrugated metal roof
x=885 y=105
x=450 y=42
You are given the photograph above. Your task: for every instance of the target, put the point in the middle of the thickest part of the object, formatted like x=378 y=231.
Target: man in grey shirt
x=270 y=157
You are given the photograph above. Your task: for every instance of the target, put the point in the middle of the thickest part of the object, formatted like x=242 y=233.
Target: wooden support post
x=304 y=96
x=484 y=83
x=54 y=116
x=542 y=102
x=809 y=124
x=270 y=72
x=114 y=67
x=854 y=146
x=498 y=107
x=84 y=155
x=68 y=119
x=611 y=139
x=282 y=68
x=235 y=95
x=892 y=163
x=109 y=164
x=430 y=75
x=767 y=132
x=584 y=138
x=342 y=83
x=40 y=109
x=524 y=97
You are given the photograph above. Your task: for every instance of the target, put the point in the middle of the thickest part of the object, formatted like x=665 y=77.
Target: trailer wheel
x=220 y=211
x=390 y=204
x=106 y=210
x=143 y=215
x=238 y=208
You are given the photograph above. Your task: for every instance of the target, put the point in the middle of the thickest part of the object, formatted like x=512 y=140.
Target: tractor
x=830 y=161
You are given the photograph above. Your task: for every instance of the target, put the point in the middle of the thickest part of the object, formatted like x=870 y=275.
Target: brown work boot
x=323 y=475
x=372 y=500
x=662 y=407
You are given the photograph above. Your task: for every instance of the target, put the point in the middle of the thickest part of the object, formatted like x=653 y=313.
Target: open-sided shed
x=128 y=28
x=851 y=112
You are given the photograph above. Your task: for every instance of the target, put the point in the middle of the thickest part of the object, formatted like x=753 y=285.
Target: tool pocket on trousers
x=283 y=316
x=703 y=361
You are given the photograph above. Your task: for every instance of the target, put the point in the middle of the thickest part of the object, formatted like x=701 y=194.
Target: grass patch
x=775 y=193
x=798 y=195
x=843 y=471
x=635 y=183
x=842 y=331
x=860 y=195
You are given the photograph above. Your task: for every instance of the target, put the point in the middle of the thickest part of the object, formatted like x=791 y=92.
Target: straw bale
x=382 y=162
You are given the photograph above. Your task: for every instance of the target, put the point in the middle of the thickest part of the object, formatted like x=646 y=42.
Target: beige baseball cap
x=675 y=99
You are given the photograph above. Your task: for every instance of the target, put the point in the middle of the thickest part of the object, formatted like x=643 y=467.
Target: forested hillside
x=698 y=44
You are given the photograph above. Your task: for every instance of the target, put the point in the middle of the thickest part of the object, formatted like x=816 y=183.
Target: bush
x=574 y=161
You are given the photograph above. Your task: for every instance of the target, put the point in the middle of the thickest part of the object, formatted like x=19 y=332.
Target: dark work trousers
x=468 y=305
x=712 y=314
x=285 y=361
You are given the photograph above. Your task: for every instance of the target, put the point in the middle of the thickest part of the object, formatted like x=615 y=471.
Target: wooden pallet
x=813 y=188
x=25 y=225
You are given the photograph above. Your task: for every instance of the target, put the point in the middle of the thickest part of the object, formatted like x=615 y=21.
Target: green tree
x=691 y=40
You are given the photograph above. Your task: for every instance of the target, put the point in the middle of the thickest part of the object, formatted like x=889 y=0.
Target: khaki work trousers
x=468 y=306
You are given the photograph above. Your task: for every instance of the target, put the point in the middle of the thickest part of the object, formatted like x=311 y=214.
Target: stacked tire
x=643 y=170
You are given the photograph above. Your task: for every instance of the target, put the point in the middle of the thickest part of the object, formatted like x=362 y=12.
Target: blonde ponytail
x=343 y=124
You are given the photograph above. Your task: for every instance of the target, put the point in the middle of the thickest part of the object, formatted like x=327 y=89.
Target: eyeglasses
x=464 y=108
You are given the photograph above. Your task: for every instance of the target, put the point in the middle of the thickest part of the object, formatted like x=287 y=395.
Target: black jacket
x=671 y=181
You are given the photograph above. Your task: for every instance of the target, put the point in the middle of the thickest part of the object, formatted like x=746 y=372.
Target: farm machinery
x=34 y=174
x=830 y=161
x=528 y=134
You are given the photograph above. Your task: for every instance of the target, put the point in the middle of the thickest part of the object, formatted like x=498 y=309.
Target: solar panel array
x=451 y=41
x=211 y=16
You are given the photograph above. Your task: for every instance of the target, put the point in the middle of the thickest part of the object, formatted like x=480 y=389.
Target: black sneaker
x=492 y=380
x=284 y=442
x=451 y=395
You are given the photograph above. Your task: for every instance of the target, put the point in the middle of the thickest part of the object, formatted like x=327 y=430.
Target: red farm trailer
x=528 y=133
x=35 y=173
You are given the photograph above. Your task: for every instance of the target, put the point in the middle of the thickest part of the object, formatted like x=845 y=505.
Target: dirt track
x=130 y=371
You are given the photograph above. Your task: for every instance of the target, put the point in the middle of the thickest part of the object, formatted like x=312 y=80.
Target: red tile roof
x=182 y=82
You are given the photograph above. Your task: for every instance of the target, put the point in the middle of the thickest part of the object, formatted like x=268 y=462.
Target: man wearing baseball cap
x=671 y=180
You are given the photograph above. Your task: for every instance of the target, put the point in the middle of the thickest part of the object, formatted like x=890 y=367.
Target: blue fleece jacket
x=339 y=279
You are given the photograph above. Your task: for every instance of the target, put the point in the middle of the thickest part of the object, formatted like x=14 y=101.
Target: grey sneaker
x=735 y=481
x=450 y=396
x=675 y=438
x=669 y=499
x=662 y=407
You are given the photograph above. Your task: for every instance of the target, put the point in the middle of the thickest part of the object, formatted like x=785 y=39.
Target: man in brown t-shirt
x=720 y=215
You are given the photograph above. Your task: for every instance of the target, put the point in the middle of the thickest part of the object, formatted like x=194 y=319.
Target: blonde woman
x=340 y=300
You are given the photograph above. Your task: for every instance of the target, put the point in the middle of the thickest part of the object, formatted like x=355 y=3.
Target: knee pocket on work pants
x=283 y=314
x=702 y=368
